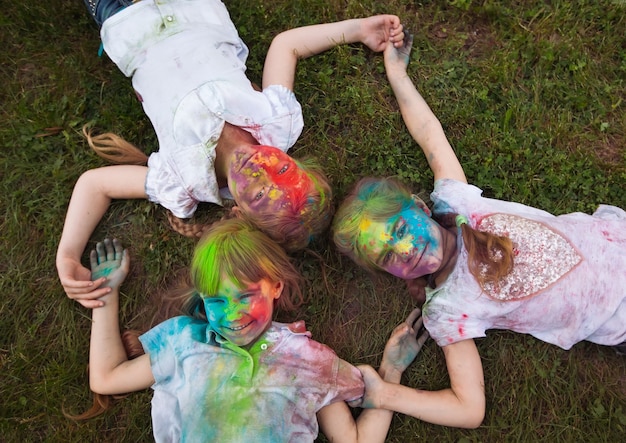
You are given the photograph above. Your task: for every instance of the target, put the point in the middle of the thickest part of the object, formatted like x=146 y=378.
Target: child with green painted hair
x=225 y=371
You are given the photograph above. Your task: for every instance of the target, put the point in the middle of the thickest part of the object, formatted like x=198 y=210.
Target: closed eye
x=214 y=301
x=283 y=169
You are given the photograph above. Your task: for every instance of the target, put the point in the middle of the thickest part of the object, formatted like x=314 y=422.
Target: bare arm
x=92 y=195
x=337 y=423
x=372 y=425
x=421 y=122
x=110 y=371
x=299 y=43
x=462 y=405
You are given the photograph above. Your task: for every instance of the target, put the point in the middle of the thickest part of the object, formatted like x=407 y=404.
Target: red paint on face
x=264 y=179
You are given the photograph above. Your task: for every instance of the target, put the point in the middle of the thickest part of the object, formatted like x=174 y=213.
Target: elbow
x=98 y=384
x=474 y=419
x=474 y=414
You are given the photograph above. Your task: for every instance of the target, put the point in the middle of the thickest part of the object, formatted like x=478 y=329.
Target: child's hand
x=397 y=58
x=77 y=283
x=405 y=343
x=374 y=387
x=109 y=260
x=378 y=30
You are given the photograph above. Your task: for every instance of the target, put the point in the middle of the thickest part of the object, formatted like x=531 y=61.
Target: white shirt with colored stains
x=568 y=282
x=208 y=389
x=187 y=65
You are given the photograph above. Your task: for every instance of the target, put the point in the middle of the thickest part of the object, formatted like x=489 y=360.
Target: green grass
x=531 y=94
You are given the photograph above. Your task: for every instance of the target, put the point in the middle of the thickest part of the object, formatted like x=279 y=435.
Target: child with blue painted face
x=219 y=137
x=225 y=371
x=482 y=263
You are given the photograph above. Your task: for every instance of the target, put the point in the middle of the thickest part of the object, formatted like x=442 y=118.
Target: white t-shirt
x=568 y=282
x=187 y=65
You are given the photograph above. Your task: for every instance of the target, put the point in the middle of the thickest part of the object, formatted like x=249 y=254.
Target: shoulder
x=172 y=332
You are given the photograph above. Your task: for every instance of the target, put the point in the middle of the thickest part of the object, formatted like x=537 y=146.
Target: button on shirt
x=207 y=389
x=187 y=65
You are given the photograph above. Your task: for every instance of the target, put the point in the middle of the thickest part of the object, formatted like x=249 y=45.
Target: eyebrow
x=386 y=248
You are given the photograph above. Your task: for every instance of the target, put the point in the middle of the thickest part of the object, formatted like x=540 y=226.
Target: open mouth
x=238 y=328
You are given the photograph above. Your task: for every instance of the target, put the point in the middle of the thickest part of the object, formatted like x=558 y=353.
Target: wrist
x=389 y=373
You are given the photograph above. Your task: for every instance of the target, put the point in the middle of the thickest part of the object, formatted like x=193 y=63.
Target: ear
x=420 y=204
x=278 y=289
x=236 y=212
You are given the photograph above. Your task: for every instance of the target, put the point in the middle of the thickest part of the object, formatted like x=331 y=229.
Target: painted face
x=408 y=245
x=241 y=312
x=264 y=179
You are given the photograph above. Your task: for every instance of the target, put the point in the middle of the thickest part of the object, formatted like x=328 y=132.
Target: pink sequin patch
x=541 y=256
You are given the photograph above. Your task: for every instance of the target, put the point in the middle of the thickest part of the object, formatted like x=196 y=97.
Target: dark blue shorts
x=100 y=10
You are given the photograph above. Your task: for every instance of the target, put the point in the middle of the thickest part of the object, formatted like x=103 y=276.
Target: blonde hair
x=490 y=256
x=293 y=229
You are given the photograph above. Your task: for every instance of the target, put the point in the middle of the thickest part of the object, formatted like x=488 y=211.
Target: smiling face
x=266 y=180
x=407 y=245
x=241 y=312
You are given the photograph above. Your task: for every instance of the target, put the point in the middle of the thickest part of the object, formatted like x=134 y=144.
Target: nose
x=404 y=250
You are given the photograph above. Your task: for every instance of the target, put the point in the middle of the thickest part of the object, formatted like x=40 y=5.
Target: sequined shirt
x=568 y=281
x=207 y=389
x=187 y=64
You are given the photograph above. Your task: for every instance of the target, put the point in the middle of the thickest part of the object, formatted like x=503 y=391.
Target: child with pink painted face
x=218 y=136
x=482 y=263
x=226 y=372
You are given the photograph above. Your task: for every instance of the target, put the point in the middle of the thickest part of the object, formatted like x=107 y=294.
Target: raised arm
x=90 y=200
x=299 y=43
x=421 y=122
x=110 y=371
x=462 y=405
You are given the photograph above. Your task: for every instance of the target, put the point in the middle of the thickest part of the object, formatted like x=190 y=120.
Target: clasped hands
x=405 y=343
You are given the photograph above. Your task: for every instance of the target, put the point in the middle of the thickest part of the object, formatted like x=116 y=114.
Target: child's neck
x=230 y=138
x=450 y=254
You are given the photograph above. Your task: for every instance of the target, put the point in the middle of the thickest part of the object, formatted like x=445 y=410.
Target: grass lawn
x=532 y=95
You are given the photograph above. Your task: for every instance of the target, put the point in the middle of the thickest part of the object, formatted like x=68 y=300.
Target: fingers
x=106 y=250
x=93 y=258
x=415 y=315
x=422 y=339
x=91 y=304
x=110 y=250
x=406 y=45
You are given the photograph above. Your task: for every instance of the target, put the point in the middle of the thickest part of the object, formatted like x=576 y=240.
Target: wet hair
x=307 y=219
x=293 y=229
x=490 y=257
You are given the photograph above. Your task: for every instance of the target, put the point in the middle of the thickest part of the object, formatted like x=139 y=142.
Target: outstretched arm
x=110 y=371
x=299 y=43
x=421 y=122
x=372 y=425
x=90 y=200
x=462 y=405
